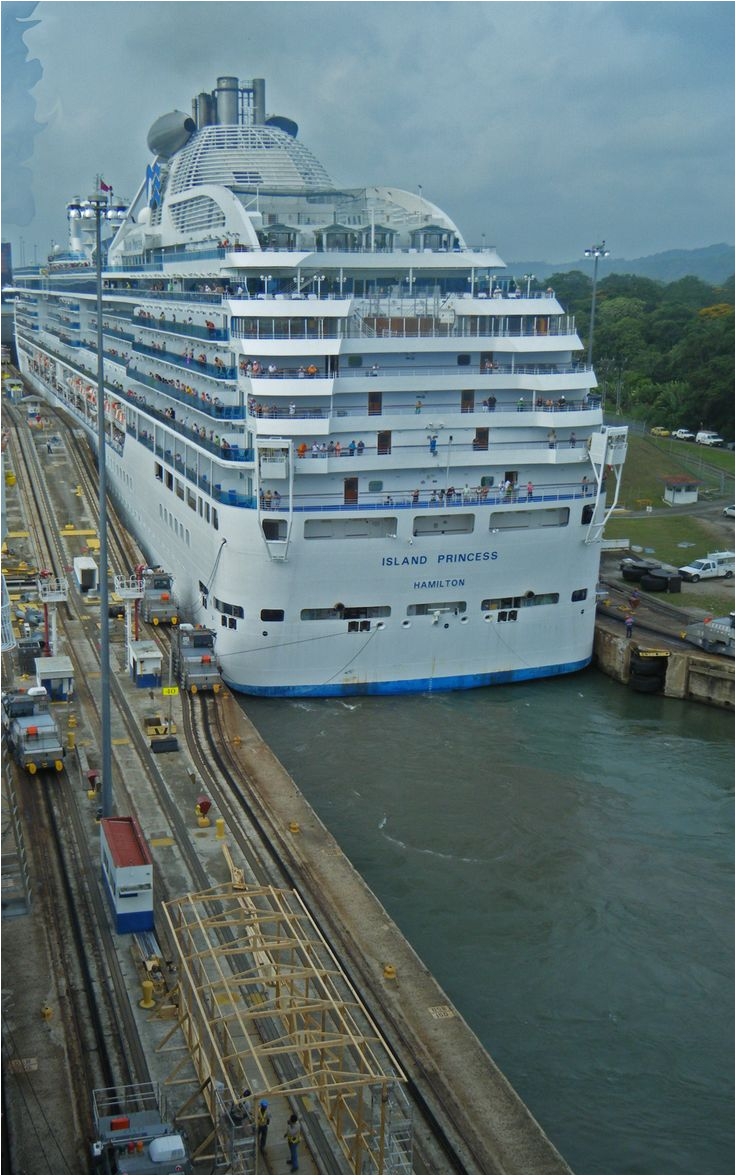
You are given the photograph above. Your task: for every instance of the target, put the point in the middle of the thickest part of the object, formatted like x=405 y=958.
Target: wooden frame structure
x=266 y=1011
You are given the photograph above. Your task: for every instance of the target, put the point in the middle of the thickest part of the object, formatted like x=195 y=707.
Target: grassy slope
x=661 y=533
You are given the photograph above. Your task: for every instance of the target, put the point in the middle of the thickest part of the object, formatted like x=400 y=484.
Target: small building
x=680 y=490
x=144 y=663
x=56 y=675
x=127 y=873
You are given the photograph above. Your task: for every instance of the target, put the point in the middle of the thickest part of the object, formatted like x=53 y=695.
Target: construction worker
x=293 y=1136
x=263 y=1119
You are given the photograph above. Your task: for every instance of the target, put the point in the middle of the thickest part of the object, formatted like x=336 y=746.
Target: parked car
x=715 y=565
x=729 y=511
x=659 y=432
x=707 y=438
x=683 y=435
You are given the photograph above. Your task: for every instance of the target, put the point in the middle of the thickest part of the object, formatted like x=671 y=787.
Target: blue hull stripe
x=411 y=685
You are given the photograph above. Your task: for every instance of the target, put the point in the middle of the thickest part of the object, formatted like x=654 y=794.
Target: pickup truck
x=718 y=564
x=683 y=435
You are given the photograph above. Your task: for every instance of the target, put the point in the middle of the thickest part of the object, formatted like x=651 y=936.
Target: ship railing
x=258 y=412
x=404 y=327
x=223 y=447
x=200 y=401
x=415 y=371
x=175 y=326
x=450 y=499
x=177 y=359
x=132 y=290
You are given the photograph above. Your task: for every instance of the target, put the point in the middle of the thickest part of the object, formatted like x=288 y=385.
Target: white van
x=712 y=566
x=707 y=438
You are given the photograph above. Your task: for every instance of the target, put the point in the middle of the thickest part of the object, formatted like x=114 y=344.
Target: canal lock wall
x=688 y=675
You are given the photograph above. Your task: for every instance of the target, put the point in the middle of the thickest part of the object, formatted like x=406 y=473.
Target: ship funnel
x=259 y=101
x=226 y=98
x=203 y=109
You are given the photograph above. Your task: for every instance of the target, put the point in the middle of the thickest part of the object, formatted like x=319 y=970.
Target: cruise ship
x=373 y=463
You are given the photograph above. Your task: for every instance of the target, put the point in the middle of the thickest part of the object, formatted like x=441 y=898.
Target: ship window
x=339 y=612
x=587 y=514
x=355 y=361
x=230 y=610
x=274 y=528
x=272 y=614
x=169 y=481
x=375 y=487
x=508 y=616
x=365 y=528
x=528 y=600
x=463 y=361
x=191 y=499
x=520 y=520
x=580 y=594
x=158 y=471
x=442 y=524
x=215 y=519
x=231 y=623
x=445 y=606
x=206 y=512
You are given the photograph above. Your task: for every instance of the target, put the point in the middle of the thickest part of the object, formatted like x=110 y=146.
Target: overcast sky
x=544 y=126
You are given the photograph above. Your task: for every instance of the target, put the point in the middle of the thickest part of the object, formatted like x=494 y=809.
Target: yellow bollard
x=148 y=1002
x=294 y=827
x=46 y=1011
x=389 y=972
x=220 y=827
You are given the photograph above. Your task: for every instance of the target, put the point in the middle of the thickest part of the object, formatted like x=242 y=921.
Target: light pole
x=99 y=208
x=595 y=252
x=529 y=278
x=319 y=279
x=265 y=278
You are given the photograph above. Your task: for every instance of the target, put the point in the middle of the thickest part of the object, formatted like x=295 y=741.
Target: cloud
x=538 y=124
x=19 y=125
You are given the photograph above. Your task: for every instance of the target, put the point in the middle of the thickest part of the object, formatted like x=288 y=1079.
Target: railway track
x=111 y=1053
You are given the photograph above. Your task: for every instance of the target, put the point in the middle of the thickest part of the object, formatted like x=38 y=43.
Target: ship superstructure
x=371 y=462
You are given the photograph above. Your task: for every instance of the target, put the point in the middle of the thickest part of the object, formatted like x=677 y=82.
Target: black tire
x=655 y=583
x=648 y=667
x=645 y=685
x=695 y=579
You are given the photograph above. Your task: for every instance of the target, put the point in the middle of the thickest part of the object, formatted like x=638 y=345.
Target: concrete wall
x=690 y=675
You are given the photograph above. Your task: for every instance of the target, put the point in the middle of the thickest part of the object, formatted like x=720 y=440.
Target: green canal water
x=561 y=855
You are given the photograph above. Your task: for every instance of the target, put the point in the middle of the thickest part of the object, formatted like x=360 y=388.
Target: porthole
x=464 y=620
x=446 y=625
x=406 y=624
x=264 y=633
x=380 y=625
x=487 y=618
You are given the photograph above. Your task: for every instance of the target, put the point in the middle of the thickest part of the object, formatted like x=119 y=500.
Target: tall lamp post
x=98 y=206
x=529 y=278
x=595 y=252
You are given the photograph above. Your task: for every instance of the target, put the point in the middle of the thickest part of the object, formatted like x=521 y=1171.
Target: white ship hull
x=413 y=501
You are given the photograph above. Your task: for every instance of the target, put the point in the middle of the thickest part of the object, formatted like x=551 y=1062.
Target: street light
x=98 y=207
x=529 y=278
x=265 y=278
x=595 y=252
x=319 y=279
